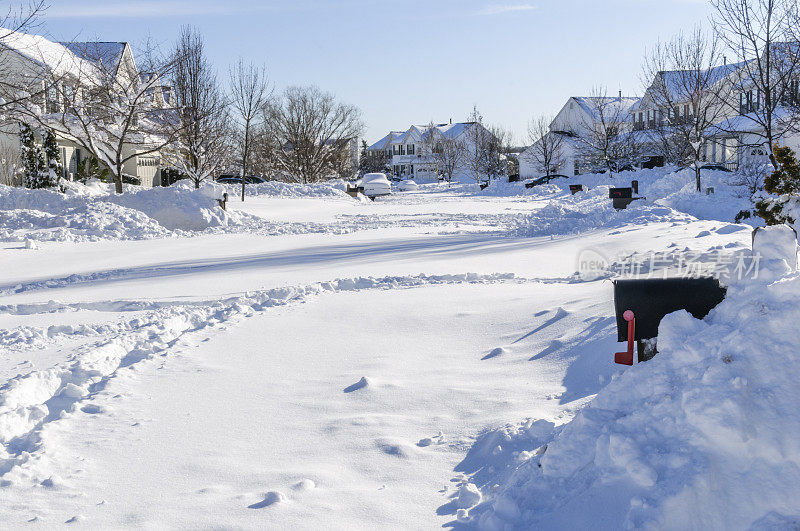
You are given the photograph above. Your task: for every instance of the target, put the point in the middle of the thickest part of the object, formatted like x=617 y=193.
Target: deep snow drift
x=705 y=435
x=94 y=212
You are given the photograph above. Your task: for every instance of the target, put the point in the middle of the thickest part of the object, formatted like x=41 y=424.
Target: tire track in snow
x=30 y=402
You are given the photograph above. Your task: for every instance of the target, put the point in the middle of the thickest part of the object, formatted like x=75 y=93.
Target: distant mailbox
x=620 y=193
x=575 y=188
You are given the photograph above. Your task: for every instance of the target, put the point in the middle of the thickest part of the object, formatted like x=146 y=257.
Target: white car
x=407 y=186
x=375 y=184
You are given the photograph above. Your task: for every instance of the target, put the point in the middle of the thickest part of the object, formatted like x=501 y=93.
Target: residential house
x=654 y=120
x=734 y=131
x=28 y=60
x=411 y=150
x=578 y=116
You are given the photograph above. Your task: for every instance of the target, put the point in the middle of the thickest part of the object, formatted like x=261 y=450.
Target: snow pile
x=668 y=186
x=587 y=211
x=94 y=212
x=704 y=436
x=178 y=207
x=333 y=188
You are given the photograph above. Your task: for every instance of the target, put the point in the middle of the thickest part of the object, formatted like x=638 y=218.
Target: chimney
x=451 y=121
x=620 y=95
x=725 y=60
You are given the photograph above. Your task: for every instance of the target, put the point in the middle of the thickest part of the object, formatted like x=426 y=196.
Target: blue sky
x=411 y=61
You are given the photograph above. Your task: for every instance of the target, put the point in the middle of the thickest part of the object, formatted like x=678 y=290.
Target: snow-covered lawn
x=307 y=360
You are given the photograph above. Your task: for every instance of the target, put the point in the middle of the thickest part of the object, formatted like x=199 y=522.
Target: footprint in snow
x=93 y=409
x=394 y=447
x=499 y=351
x=363 y=383
x=270 y=498
x=304 y=485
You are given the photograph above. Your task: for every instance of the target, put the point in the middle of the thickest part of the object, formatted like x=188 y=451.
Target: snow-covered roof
x=384 y=142
x=52 y=55
x=673 y=80
x=447 y=130
x=591 y=104
x=107 y=54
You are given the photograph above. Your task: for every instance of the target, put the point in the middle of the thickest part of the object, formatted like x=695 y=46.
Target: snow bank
x=704 y=436
x=587 y=211
x=666 y=186
x=94 y=212
x=333 y=188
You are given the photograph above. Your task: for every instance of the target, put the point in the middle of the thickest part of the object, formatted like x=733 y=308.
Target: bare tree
x=546 y=151
x=106 y=106
x=309 y=131
x=449 y=154
x=17 y=17
x=497 y=145
x=202 y=140
x=749 y=176
x=250 y=91
x=763 y=35
x=603 y=138
x=481 y=147
x=686 y=81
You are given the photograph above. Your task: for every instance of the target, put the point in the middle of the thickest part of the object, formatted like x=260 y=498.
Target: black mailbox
x=651 y=299
x=575 y=188
x=620 y=193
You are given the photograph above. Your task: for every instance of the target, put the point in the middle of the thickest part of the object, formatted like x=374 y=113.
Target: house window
x=731 y=149
x=411 y=169
x=52 y=99
x=410 y=149
x=749 y=101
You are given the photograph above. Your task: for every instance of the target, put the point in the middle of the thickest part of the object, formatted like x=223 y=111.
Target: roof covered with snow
x=54 y=56
x=420 y=132
x=676 y=80
x=593 y=104
x=107 y=54
x=383 y=143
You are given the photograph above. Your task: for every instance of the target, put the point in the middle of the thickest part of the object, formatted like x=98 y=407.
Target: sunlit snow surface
x=308 y=360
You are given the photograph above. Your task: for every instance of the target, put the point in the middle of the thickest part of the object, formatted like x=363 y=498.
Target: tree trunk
x=118 y=183
x=697 y=176
x=244 y=155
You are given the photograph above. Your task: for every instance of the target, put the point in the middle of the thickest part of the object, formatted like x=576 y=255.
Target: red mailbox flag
x=626 y=358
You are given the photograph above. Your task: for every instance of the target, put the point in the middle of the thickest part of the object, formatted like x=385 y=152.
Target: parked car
x=405 y=186
x=236 y=179
x=544 y=180
x=375 y=185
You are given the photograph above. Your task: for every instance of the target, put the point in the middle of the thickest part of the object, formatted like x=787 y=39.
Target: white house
x=411 y=156
x=733 y=104
x=28 y=60
x=578 y=115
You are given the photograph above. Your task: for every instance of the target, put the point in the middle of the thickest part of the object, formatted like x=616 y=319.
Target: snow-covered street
x=333 y=375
